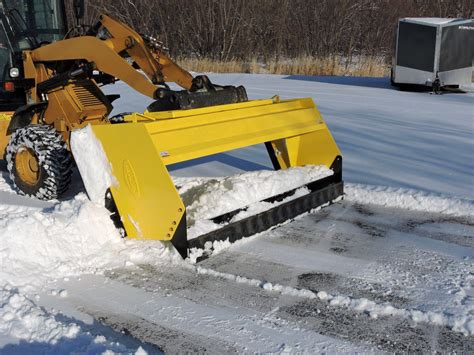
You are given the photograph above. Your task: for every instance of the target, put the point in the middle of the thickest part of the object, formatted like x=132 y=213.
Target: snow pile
x=208 y=198
x=73 y=238
x=24 y=321
x=95 y=168
x=77 y=236
x=40 y=245
x=408 y=199
x=219 y=196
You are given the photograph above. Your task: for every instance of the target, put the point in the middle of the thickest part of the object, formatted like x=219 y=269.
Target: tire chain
x=54 y=159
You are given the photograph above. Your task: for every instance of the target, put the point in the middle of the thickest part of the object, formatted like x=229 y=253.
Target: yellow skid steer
x=51 y=94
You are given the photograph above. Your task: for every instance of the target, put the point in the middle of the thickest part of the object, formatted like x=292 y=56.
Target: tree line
x=243 y=29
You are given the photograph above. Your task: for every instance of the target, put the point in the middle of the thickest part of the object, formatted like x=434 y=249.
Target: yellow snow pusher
x=52 y=86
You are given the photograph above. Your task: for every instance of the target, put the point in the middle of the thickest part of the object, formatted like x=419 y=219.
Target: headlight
x=14 y=72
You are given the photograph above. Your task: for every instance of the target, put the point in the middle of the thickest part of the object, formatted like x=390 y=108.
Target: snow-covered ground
x=389 y=268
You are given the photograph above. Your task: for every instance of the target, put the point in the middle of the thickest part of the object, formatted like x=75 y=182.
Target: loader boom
x=109 y=56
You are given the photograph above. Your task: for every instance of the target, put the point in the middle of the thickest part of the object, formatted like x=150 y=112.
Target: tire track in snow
x=208 y=322
x=166 y=340
x=224 y=289
x=343 y=234
x=208 y=287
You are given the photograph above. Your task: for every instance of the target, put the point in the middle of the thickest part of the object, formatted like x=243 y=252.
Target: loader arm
x=155 y=64
x=115 y=49
x=102 y=54
x=108 y=57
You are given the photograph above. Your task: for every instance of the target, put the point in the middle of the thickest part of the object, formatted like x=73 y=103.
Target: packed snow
x=230 y=193
x=39 y=331
x=211 y=197
x=409 y=199
x=462 y=324
x=408 y=151
x=95 y=169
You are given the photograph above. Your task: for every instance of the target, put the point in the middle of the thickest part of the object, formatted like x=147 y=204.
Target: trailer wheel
x=39 y=162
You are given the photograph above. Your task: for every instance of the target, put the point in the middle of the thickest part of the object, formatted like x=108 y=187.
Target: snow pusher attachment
x=140 y=148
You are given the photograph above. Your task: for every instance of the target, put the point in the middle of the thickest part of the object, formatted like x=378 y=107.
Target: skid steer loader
x=51 y=77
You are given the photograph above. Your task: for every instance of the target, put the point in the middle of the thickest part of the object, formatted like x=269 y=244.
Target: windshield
x=4 y=54
x=40 y=19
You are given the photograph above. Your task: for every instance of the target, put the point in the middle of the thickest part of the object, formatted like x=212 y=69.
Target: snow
x=40 y=245
x=219 y=196
x=462 y=324
x=77 y=237
x=21 y=319
x=253 y=331
x=211 y=197
x=409 y=199
x=38 y=331
x=431 y=20
x=95 y=169
x=411 y=151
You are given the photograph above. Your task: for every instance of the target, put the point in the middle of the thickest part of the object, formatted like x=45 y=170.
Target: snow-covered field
x=389 y=268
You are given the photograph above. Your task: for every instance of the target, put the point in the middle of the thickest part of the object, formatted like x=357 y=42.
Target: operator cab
x=25 y=25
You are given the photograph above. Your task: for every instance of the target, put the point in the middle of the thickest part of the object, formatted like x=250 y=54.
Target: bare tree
x=244 y=29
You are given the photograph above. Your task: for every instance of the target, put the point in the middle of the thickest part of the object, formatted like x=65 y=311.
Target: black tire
x=54 y=162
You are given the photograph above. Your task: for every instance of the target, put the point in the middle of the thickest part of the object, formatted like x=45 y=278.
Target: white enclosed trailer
x=434 y=52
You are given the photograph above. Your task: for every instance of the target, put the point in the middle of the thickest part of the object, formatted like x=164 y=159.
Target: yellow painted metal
x=295 y=126
x=146 y=198
x=107 y=56
x=27 y=166
x=315 y=148
x=100 y=53
x=155 y=63
x=167 y=115
x=140 y=149
x=5 y=118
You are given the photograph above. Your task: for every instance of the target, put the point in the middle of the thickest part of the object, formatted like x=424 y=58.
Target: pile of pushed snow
x=219 y=196
x=22 y=320
x=73 y=238
x=77 y=236
x=208 y=198
x=408 y=199
x=92 y=162
x=40 y=245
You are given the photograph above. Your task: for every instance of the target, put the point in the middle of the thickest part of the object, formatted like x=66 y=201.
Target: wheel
x=38 y=162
